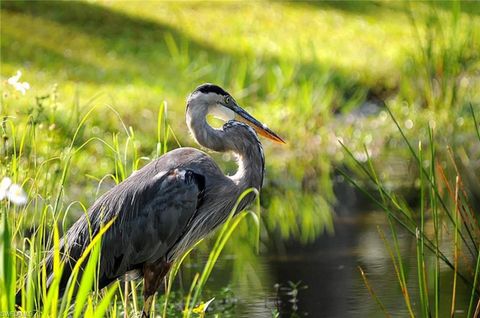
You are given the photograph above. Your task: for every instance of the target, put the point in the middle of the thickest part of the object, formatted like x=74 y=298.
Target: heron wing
x=152 y=216
x=152 y=210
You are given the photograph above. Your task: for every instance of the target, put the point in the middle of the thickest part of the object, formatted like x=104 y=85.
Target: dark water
x=331 y=284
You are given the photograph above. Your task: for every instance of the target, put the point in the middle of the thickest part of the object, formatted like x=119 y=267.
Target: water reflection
x=329 y=268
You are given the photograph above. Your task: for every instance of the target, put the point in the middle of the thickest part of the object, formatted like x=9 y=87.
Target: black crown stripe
x=211 y=88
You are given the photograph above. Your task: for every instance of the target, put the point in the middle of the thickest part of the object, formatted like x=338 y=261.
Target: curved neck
x=204 y=134
x=251 y=168
x=248 y=149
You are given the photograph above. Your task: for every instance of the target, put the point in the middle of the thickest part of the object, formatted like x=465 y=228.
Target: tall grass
x=446 y=43
x=443 y=199
x=30 y=231
x=442 y=217
x=443 y=220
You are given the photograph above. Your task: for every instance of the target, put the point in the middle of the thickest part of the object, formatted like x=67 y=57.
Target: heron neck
x=204 y=134
x=248 y=150
x=251 y=167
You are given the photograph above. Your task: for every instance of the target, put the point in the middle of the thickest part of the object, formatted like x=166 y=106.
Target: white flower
x=22 y=87
x=4 y=185
x=13 y=192
x=16 y=195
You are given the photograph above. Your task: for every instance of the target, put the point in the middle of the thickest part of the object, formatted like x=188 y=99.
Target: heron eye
x=227 y=100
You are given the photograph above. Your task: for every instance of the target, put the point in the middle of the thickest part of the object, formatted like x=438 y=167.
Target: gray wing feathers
x=151 y=223
x=153 y=208
x=152 y=211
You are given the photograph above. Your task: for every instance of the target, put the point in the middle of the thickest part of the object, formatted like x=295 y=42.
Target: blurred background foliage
x=317 y=72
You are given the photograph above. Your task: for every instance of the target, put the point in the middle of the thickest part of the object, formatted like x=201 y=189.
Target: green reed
x=443 y=199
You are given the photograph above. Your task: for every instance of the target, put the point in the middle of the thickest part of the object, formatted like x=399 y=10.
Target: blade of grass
x=475 y=282
x=436 y=226
x=422 y=282
x=105 y=302
x=455 y=247
x=88 y=277
x=7 y=265
x=372 y=292
x=477 y=128
x=225 y=232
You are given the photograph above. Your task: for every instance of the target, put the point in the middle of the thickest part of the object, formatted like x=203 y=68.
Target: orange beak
x=260 y=128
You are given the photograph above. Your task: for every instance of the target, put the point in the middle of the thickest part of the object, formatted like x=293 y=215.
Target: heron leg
x=153 y=275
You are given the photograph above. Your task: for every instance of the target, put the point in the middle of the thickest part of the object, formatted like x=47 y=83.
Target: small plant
x=291 y=293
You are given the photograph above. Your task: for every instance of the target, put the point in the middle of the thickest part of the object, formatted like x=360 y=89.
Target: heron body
x=163 y=209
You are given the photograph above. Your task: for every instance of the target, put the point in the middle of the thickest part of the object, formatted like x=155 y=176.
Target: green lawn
x=140 y=55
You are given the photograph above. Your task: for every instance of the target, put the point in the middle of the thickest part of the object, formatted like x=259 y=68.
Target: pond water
x=328 y=278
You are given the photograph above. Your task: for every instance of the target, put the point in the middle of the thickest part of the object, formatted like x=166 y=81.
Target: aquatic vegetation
x=291 y=293
x=444 y=223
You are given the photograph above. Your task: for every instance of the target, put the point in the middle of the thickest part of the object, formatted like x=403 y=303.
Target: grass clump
x=444 y=223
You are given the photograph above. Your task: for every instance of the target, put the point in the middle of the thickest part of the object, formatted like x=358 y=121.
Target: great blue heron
x=164 y=208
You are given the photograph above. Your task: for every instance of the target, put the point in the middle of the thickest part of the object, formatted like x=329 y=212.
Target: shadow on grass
x=366 y=7
x=138 y=43
x=119 y=48
x=372 y=7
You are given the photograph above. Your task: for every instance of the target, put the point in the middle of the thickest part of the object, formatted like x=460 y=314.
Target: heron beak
x=260 y=128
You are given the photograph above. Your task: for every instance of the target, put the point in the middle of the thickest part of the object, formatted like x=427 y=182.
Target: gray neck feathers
x=236 y=137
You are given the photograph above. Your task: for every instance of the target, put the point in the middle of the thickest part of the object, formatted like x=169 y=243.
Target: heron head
x=213 y=99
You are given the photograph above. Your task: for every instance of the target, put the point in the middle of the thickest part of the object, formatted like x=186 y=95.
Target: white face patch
x=222 y=112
